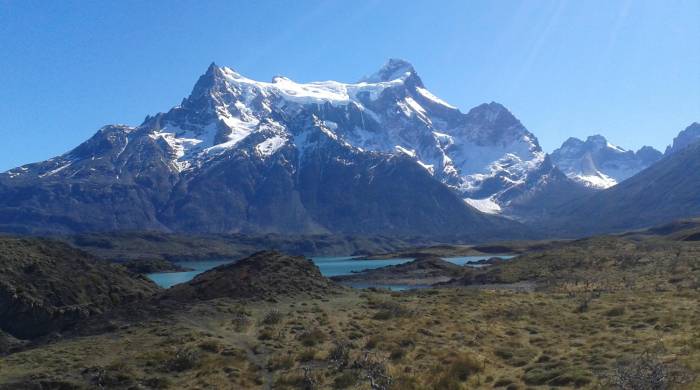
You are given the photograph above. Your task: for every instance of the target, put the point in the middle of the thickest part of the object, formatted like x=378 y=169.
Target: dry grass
x=457 y=338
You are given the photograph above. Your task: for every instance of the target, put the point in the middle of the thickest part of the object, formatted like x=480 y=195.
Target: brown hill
x=265 y=275
x=48 y=286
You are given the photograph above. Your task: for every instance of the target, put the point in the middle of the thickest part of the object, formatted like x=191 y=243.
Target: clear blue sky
x=627 y=69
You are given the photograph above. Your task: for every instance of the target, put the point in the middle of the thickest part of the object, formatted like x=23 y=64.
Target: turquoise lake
x=329 y=266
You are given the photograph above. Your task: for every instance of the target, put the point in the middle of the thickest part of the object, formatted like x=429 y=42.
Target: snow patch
x=408 y=152
x=270 y=146
x=55 y=171
x=486 y=205
x=426 y=94
x=428 y=167
x=319 y=92
x=601 y=180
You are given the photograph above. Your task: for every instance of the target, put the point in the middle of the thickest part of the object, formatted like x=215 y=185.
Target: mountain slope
x=667 y=190
x=596 y=163
x=245 y=156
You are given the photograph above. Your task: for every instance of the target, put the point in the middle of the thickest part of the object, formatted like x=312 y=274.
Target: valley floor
x=605 y=313
x=442 y=339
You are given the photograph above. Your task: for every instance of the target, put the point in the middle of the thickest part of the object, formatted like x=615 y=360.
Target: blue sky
x=627 y=69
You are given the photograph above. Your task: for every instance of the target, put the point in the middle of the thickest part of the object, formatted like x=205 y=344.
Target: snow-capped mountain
x=597 y=163
x=240 y=154
x=685 y=138
x=481 y=154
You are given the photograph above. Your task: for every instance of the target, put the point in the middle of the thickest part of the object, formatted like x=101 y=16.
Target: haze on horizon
x=624 y=69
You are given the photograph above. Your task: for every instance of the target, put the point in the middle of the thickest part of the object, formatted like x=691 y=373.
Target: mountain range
x=666 y=191
x=597 y=163
x=382 y=155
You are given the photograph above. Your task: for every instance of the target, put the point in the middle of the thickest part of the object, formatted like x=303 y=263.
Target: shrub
x=212 y=346
x=339 y=356
x=615 y=311
x=266 y=333
x=157 y=382
x=461 y=367
x=240 y=322
x=374 y=371
x=272 y=317
x=647 y=372
x=312 y=337
x=280 y=363
x=307 y=355
x=184 y=359
x=388 y=310
x=397 y=354
x=345 y=380
x=114 y=375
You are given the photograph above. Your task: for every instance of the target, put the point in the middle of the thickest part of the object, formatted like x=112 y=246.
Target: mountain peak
x=493 y=111
x=572 y=142
x=207 y=80
x=212 y=67
x=596 y=163
x=393 y=69
x=685 y=138
x=596 y=138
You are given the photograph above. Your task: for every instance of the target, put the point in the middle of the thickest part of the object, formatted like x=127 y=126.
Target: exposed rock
x=48 y=286
x=265 y=275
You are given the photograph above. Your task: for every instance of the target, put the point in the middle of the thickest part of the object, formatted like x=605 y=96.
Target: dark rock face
x=47 y=286
x=265 y=275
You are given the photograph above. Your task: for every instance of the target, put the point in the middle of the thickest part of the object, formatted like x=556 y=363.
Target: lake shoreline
x=330 y=267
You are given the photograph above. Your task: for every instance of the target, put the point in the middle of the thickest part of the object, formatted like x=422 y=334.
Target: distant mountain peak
x=492 y=110
x=685 y=138
x=394 y=69
x=597 y=139
x=597 y=163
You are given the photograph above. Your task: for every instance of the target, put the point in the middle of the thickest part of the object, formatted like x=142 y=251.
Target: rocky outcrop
x=266 y=275
x=48 y=286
